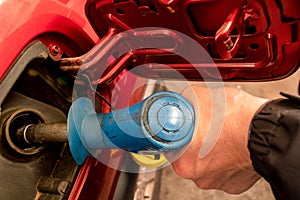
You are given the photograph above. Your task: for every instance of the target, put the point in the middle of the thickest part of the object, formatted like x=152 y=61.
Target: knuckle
x=183 y=169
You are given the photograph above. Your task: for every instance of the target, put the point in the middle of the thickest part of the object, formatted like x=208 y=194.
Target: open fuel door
x=248 y=40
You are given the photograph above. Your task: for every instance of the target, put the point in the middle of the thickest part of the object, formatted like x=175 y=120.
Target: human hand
x=228 y=165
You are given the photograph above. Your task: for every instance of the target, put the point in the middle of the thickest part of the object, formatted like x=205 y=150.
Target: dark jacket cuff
x=274 y=145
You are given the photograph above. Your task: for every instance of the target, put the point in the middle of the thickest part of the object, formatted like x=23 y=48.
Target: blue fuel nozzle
x=162 y=122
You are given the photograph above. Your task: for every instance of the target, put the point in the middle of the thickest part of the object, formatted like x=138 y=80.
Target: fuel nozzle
x=162 y=122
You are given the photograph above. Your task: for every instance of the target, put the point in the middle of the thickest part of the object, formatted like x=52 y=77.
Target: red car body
x=65 y=23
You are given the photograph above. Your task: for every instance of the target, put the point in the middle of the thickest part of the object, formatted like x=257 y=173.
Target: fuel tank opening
x=11 y=123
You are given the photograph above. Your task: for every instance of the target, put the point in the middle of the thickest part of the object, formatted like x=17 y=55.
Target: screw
x=54 y=50
x=228 y=43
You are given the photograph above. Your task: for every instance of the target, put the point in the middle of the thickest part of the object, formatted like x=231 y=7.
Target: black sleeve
x=274 y=145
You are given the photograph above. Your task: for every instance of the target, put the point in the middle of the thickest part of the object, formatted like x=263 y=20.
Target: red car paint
x=64 y=23
x=247 y=40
